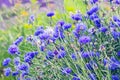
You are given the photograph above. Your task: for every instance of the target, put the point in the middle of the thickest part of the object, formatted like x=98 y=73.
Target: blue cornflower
x=16 y=61
x=93 y=1
x=117 y=2
x=39 y=31
x=31 y=19
x=103 y=29
x=115 y=77
x=80 y=27
x=87 y=54
x=61 y=35
x=61 y=22
x=89 y=66
x=42 y=48
x=75 y=78
x=76 y=34
x=19 y=40
x=15 y=73
x=73 y=56
x=115 y=35
x=55 y=52
x=23 y=67
x=13 y=49
x=7 y=71
x=94 y=9
x=93 y=16
x=24 y=73
x=105 y=61
x=50 y=55
x=118 y=53
x=77 y=17
x=61 y=54
x=50 y=14
x=66 y=71
x=84 y=39
x=97 y=22
x=66 y=26
x=6 y=61
x=44 y=36
x=92 y=76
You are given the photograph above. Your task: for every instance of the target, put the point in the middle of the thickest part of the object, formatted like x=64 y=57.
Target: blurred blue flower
x=16 y=61
x=7 y=71
x=84 y=39
x=15 y=73
x=115 y=77
x=66 y=71
x=94 y=9
x=19 y=40
x=73 y=56
x=61 y=54
x=23 y=67
x=50 y=14
x=13 y=49
x=92 y=76
x=66 y=26
x=6 y=62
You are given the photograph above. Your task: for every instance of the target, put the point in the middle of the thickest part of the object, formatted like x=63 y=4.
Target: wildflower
x=61 y=23
x=118 y=53
x=75 y=78
x=93 y=1
x=13 y=49
x=103 y=29
x=84 y=39
x=39 y=31
x=7 y=71
x=44 y=36
x=66 y=26
x=87 y=54
x=16 y=61
x=50 y=14
x=115 y=77
x=15 y=73
x=94 y=9
x=66 y=71
x=6 y=61
x=31 y=19
x=115 y=35
x=117 y=2
x=73 y=56
x=105 y=61
x=92 y=76
x=77 y=17
x=24 y=13
x=80 y=27
x=19 y=40
x=88 y=66
x=62 y=54
x=23 y=67
x=50 y=55
x=97 y=22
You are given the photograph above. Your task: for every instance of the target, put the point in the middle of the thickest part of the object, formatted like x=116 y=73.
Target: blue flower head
x=93 y=1
x=103 y=29
x=19 y=40
x=50 y=55
x=15 y=73
x=117 y=2
x=77 y=16
x=115 y=77
x=61 y=54
x=16 y=61
x=66 y=71
x=50 y=14
x=84 y=39
x=13 y=49
x=80 y=27
x=23 y=67
x=66 y=26
x=39 y=31
x=73 y=56
x=6 y=61
x=75 y=78
x=94 y=9
x=7 y=71
x=92 y=76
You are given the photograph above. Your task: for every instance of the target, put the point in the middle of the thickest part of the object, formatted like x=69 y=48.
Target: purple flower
x=93 y=1
x=44 y=36
x=118 y=53
x=61 y=54
x=6 y=61
x=15 y=73
x=94 y=9
x=39 y=31
x=50 y=55
x=117 y=2
x=66 y=71
x=50 y=14
x=77 y=17
x=73 y=56
x=31 y=19
x=92 y=76
x=19 y=40
x=66 y=26
x=115 y=77
x=56 y=52
x=97 y=22
x=80 y=27
x=103 y=29
x=84 y=39
x=87 y=54
x=61 y=23
x=105 y=61
x=23 y=67
x=7 y=71
x=115 y=35
x=16 y=61
x=13 y=49
x=75 y=78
